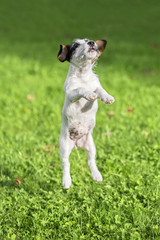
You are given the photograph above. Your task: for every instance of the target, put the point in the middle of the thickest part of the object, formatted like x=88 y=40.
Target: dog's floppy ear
x=63 y=52
x=101 y=45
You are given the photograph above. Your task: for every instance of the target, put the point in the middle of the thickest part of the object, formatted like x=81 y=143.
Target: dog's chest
x=79 y=116
x=81 y=109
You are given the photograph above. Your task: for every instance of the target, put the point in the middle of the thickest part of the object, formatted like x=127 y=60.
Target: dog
x=82 y=89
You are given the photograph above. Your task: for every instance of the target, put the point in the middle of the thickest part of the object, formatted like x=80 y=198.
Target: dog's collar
x=96 y=57
x=94 y=60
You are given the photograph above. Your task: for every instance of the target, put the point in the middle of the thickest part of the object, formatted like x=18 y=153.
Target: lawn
x=33 y=204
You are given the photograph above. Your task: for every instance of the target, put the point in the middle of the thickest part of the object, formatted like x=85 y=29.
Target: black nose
x=91 y=43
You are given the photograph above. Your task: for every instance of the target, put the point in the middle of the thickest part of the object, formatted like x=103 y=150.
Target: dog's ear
x=63 y=52
x=101 y=45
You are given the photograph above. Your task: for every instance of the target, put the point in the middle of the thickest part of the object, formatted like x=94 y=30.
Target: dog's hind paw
x=66 y=182
x=97 y=176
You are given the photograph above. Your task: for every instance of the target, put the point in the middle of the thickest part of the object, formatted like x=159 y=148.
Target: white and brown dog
x=82 y=89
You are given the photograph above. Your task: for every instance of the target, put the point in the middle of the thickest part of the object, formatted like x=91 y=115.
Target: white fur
x=82 y=89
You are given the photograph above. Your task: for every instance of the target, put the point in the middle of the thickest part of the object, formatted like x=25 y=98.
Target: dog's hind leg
x=65 y=147
x=87 y=144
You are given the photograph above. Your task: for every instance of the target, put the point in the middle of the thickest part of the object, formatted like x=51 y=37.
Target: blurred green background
x=33 y=203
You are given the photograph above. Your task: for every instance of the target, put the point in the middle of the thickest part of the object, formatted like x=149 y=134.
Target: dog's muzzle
x=92 y=46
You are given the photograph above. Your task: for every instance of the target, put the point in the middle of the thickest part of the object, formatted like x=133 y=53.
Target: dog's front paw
x=108 y=99
x=90 y=96
x=66 y=181
x=97 y=176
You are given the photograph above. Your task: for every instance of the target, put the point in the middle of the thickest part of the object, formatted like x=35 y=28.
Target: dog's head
x=81 y=50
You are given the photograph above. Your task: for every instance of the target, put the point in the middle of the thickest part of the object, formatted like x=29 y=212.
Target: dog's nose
x=91 y=43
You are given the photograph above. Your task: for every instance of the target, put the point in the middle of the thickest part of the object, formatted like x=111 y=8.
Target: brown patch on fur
x=63 y=52
x=101 y=46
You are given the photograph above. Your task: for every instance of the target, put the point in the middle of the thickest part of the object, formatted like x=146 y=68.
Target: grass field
x=33 y=204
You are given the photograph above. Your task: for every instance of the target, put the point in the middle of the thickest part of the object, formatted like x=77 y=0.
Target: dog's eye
x=72 y=50
x=76 y=45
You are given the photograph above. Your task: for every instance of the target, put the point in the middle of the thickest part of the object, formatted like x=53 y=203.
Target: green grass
x=126 y=205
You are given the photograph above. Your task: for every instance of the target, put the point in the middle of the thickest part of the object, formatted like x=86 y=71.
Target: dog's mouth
x=92 y=49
